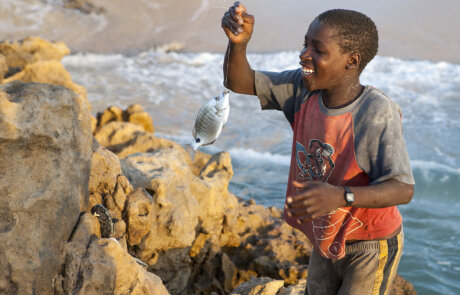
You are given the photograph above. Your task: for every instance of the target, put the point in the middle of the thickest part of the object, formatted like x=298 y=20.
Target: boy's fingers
x=239 y=8
x=242 y=14
x=229 y=23
x=237 y=17
x=304 y=219
x=299 y=184
x=248 y=18
x=301 y=217
x=306 y=184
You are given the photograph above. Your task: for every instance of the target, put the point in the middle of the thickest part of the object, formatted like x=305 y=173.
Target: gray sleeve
x=275 y=88
x=379 y=140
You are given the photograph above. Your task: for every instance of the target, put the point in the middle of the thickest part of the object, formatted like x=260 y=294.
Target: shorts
x=368 y=268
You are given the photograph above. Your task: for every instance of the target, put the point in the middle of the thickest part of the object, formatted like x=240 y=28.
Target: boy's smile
x=324 y=66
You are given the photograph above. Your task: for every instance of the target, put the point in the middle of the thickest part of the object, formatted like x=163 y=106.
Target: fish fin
x=212 y=142
x=190 y=150
x=209 y=143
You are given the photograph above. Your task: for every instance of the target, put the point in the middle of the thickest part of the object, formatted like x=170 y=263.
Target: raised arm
x=238 y=26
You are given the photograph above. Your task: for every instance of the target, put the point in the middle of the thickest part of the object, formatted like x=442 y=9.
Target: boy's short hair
x=355 y=31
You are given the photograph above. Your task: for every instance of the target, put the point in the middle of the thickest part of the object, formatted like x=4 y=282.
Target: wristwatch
x=349 y=196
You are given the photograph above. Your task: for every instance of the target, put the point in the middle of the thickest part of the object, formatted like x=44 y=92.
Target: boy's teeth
x=308 y=71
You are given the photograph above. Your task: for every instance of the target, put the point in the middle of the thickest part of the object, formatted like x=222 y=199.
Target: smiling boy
x=349 y=165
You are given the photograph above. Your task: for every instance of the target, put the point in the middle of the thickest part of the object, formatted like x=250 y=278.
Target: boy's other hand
x=316 y=199
x=238 y=24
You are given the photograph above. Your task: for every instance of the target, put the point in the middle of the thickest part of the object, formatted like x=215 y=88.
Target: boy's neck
x=340 y=97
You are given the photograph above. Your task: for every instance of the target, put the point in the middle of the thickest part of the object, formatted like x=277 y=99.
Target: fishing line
x=226 y=60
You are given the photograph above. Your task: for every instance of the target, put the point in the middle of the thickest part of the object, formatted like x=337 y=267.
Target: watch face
x=349 y=197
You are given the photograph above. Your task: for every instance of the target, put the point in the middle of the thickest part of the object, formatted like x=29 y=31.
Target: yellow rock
x=3 y=67
x=198 y=244
x=112 y=113
x=30 y=50
x=49 y=72
x=143 y=119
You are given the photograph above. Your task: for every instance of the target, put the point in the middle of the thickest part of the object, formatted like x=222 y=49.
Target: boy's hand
x=316 y=199
x=238 y=24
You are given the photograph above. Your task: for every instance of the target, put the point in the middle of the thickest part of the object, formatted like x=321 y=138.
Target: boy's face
x=324 y=66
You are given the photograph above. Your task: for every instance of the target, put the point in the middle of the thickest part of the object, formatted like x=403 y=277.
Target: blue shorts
x=368 y=268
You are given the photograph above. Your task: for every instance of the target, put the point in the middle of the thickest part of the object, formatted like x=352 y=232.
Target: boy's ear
x=353 y=61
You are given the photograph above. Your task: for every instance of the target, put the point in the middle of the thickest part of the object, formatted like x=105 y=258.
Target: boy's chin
x=310 y=87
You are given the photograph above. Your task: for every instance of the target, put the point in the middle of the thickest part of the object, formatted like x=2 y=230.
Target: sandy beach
x=409 y=29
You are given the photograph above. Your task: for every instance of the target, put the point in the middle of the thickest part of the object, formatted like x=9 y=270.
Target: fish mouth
x=223 y=95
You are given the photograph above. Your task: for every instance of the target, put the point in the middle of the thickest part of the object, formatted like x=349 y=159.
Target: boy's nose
x=305 y=53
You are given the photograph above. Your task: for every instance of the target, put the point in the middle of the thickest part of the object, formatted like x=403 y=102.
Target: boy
x=349 y=164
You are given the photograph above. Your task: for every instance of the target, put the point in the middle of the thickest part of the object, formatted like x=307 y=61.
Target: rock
x=102 y=266
x=120 y=229
x=173 y=267
x=259 y=286
x=198 y=244
x=117 y=135
x=104 y=171
x=85 y=231
x=85 y=6
x=46 y=153
x=218 y=205
x=229 y=273
x=135 y=114
x=93 y=124
x=165 y=174
x=50 y=72
x=36 y=60
x=146 y=142
x=107 y=185
x=299 y=288
x=112 y=113
x=3 y=67
x=140 y=215
x=18 y=54
x=402 y=287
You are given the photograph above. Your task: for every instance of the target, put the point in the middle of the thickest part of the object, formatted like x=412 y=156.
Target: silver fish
x=210 y=120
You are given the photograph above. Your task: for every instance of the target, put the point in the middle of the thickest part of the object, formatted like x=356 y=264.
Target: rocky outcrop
x=210 y=241
x=45 y=148
x=85 y=6
x=102 y=266
x=37 y=60
x=133 y=114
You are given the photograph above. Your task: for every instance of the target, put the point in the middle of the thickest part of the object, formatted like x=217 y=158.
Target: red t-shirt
x=358 y=145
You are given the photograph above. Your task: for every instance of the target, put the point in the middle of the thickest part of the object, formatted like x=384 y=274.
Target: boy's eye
x=319 y=50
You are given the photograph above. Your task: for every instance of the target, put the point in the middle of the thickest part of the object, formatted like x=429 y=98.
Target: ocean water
x=172 y=87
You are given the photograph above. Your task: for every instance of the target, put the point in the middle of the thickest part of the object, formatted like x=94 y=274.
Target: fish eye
x=197 y=140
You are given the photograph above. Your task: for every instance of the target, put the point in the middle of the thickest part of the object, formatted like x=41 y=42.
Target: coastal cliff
x=177 y=229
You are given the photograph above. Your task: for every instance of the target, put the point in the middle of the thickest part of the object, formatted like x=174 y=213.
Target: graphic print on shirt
x=316 y=164
x=329 y=230
x=332 y=226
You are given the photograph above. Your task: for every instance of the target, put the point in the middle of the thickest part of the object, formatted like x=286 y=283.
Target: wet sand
x=409 y=29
